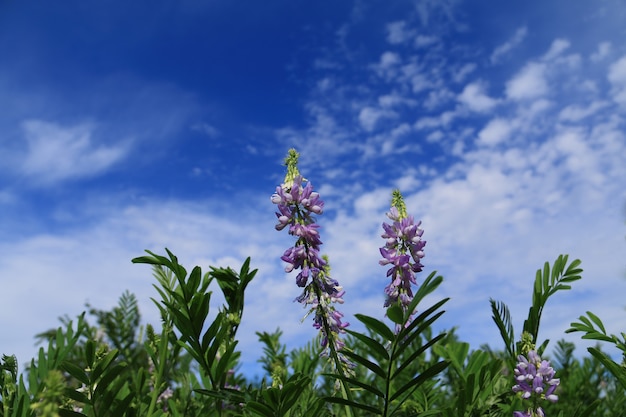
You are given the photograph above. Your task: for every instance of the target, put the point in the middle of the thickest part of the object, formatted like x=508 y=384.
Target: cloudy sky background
x=144 y=125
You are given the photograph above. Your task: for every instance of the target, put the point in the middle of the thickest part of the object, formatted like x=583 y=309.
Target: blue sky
x=144 y=125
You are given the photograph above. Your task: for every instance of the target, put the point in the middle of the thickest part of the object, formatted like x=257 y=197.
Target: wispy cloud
x=528 y=83
x=54 y=153
x=603 y=51
x=206 y=129
x=397 y=32
x=617 y=77
x=557 y=47
x=502 y=50
x=474 y=97
x=497 y=131
x=369 y=117
x=575 y=112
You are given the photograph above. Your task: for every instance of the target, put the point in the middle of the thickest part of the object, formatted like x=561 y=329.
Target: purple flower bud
x=535 y=381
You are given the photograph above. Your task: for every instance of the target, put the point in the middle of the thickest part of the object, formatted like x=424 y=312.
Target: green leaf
x=618 y=372
x=546 y=277
x=292 y=390
x=597 y=336
x=103 y=364
x=591 y=408
x=212 y=331
x=409 y=334
x=194 y=280
x=75 y=371
x=502 y=317
x=376 y=326
x=259 y=409
x=423 y=377
x=368 y=364
x=429 y=285
x=111 y=374
x=366 y=386
x=349 y=403
x=456 y=352
x=224 y=362
x=395 y=314
x=376 y=349
x=416 y=354
x=245 y=274
x=597 y=321
x=122 y=406
x=77 y=396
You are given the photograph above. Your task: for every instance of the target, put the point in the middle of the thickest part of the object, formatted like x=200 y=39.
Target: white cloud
x=556 y=49
x=497 y=131
x=397 y=32
x=576 y=113
x=206 y=129
x=389 y=142
x=435 y=136
x=463 y=72
x=617 y=77
x=474 y=97
x=408 y=182
x=394 y=100
x=427 y=9
x=528 y=83
x=420 y=82
x=422 y=41
x=430 y=122
x=437 y=98
x=617 y=72
x=505 y=48
x=324 y=139
x=369 y=117
x=56 y=153
x=603 y=51
x=387 y=66
x=579 y=158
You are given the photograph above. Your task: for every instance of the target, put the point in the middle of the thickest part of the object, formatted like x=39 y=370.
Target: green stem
x=160 y=369
x=388 y=380
x=345 y=390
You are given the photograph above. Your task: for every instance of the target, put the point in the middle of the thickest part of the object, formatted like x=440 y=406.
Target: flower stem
x=160 y=369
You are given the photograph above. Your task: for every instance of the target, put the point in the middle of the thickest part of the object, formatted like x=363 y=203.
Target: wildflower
x=403 y=250
x=535 y=382
x=297 y=204
x=164 y=396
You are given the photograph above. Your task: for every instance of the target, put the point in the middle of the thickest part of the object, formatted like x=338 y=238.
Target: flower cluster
x=403 y=250
x=297 y=205
x=535 y=382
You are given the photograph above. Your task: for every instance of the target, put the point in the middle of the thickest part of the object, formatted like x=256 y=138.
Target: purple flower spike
x=297 y=204
x=403 y=250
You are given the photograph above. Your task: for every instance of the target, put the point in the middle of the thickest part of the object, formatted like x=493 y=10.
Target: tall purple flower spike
x=403 y=250
x=297 y=205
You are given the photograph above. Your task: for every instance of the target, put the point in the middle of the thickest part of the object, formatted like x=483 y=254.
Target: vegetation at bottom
x=105 y=363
